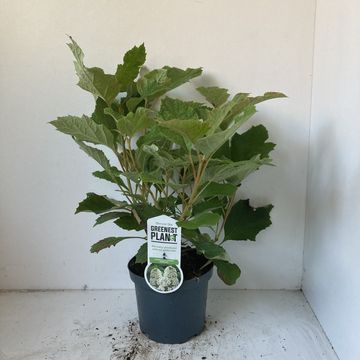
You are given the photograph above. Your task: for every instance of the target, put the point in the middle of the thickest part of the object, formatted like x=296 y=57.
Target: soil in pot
x=192 y=264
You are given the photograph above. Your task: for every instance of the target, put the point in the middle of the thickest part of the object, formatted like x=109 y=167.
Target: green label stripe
x=155 y=260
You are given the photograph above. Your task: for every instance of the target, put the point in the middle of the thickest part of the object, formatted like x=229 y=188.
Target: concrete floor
x=102 y=325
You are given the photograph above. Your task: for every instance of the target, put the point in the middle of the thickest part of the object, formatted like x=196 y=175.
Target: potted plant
x=183 y=159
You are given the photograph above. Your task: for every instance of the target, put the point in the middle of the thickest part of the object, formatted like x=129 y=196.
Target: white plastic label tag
x=163 y=272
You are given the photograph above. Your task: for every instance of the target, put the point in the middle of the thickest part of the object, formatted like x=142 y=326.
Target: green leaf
x=85 y=129
x=168 y=203
x=100 y=117
x=94 y=79
x=133 y=103
x=157 y=82
x=216 y=189
x=227 y=271
x=251 y=143
x=110 y=241
x=154 y=177
x=106 y=217
x=174 y=137
x=132 y=123
x=127 y=72
x=191 y=129
x=144 y=160
x=153 y=83
x=178 y=109
x=205 y=245
x=127 y=221
x=99 y=204
x=141 y=255
x=97 y=155
x=244 y=100
x=156 y=136
x=214 y=95
x=178 y=76
x=100 y=158
x=191 y=234
x=245 y=222
x=217 y=115
x=210 y=144
x=103 y=85
x=223 y=152
x=164 y=138
x=203 y=219
x=210 y=250
x=146 y=211
x=133 y=176
x=267 y=96
x=162 y=158
x=114 y=177
x=208 y=205
x=234 y=172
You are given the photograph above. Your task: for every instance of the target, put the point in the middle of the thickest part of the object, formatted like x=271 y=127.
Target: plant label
x=163 y=272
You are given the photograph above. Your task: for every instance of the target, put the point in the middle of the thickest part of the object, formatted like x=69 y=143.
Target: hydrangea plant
x=184 y=159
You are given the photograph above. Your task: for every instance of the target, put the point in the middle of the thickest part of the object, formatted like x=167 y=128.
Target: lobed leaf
x=210 y=144
x=94 y=79
x=214 y=95
x=245 y=222
x=245 y=100
x=178 y=76
x=251 y=143
x=85 y=129
x=267 y=96
x=158 y=82
x=127 y=72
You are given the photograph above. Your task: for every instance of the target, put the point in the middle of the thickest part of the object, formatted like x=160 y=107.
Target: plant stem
x=230 y=204
x=200 y=171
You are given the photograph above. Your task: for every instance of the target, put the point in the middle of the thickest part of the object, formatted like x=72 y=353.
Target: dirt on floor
x=133 y=345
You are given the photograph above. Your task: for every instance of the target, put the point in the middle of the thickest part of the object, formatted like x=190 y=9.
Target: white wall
x=251 y=46
x=332 y=248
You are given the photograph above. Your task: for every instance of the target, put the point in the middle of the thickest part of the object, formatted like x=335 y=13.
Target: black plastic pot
x=172 y=318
